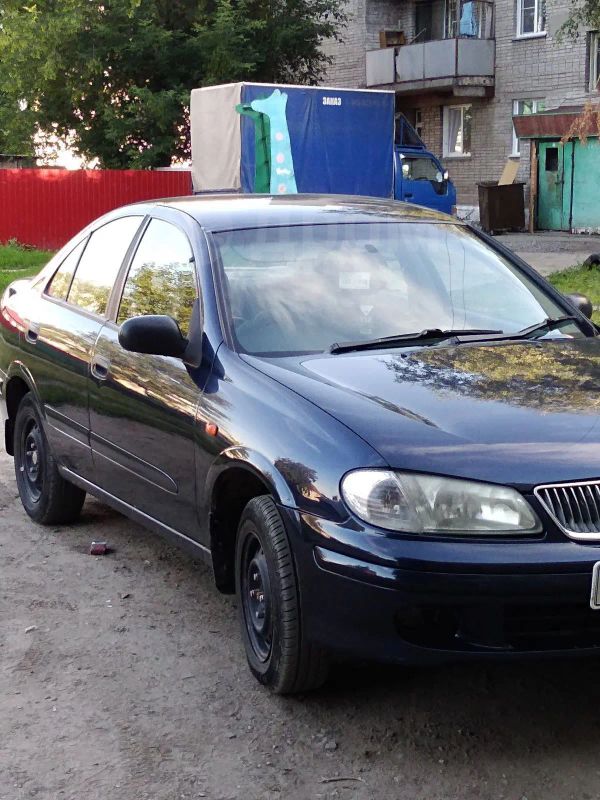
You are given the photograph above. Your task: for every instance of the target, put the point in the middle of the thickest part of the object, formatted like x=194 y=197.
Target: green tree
x=16 y=125
x=583 y=14
x=118 y=74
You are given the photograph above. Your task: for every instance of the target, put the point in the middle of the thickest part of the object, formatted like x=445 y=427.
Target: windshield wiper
x=429 y=334
x=548 y=324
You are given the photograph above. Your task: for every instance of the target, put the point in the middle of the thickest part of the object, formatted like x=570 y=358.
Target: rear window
x=100 y=264
x=61 y=282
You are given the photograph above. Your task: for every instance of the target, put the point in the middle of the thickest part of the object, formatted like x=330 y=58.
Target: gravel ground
x=123 y=677
x=551 y=242
x=551 y=251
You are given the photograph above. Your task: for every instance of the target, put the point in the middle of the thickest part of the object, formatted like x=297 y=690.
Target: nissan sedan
x=377 y=426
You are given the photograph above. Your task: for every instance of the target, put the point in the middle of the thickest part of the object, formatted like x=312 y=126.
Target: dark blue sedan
x=379 y=428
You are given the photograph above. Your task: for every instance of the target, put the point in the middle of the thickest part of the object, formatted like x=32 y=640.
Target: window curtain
x=468 y=20
x=454 y=122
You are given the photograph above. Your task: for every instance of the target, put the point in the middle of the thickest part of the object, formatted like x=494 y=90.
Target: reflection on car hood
x=519 y=412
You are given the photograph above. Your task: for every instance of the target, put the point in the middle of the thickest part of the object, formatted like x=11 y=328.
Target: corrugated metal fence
x=45 y=207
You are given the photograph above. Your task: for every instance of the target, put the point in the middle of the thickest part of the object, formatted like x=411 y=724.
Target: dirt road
x=122 y=678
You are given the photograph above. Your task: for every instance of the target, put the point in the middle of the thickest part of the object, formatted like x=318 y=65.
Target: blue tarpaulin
x=342 y=142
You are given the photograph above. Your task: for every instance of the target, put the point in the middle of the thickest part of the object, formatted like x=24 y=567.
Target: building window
x=457 y=131
x=523 y=107
x=419 y=122
x=531 y=17
x=450 y=26
x=595 y=62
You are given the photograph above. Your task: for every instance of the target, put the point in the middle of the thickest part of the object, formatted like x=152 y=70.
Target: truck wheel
x=269 y=606
x=47 y=497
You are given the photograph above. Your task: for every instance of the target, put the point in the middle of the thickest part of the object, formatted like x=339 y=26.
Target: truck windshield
x=299 y=289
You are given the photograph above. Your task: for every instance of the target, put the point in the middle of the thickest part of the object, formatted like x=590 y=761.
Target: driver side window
x=162 y=277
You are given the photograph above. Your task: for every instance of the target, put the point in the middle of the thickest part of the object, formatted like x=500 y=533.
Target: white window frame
x=450 y=31
x=537 y=30
x=537 y=104
x=594 y=83
x=446 y=152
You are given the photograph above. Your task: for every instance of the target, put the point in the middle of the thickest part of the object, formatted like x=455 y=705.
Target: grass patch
x=581 y=279
x=17 y=262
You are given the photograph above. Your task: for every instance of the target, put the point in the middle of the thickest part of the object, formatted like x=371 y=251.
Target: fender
x=18 y=370
x=254 y=462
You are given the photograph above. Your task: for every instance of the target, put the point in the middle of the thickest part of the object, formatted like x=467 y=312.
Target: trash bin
x=501 y=208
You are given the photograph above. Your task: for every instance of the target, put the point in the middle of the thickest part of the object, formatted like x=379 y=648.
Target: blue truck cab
x=280 y=139
x=419 y=177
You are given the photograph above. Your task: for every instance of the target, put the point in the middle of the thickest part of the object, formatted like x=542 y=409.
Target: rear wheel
x=269 y=606
x=46 y=496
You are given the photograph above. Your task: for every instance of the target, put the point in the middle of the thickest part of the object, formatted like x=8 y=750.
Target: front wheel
x=269 y=605
x=46 y=496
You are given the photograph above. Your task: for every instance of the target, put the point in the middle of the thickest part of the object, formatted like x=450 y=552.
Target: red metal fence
x=45 y=207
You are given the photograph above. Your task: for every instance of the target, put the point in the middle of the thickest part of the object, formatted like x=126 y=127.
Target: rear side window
x=100 y=264
x=61 y=282
x=162 y=277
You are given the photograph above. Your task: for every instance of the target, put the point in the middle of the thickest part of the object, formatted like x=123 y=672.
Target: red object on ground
x=46 y=207
x=98 y=548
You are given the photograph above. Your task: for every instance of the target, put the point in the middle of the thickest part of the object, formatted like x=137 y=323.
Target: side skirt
x=195 y=549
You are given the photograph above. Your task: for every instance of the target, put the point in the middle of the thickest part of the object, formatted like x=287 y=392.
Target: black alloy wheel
x=256 y=597
x=32 y=455
x=46 y=496
x=279 y=652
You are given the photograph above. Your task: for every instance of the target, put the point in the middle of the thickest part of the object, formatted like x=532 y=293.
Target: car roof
x=219 y=212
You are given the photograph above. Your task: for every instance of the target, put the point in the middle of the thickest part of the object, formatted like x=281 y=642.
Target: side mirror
x=155 y=334
x=581 y=303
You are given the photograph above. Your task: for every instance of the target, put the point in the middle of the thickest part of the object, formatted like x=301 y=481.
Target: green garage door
x=586 y=180
x=554 y=185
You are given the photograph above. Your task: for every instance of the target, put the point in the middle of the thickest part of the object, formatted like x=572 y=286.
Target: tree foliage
x=16 y=125
x=583 y=14
x=118 y=73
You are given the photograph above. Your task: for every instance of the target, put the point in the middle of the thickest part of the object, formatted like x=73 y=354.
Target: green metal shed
x=565 y=187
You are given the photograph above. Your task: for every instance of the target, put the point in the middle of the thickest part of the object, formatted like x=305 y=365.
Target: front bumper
x=494 y=600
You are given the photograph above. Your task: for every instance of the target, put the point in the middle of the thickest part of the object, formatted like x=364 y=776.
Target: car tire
x=269 y=604
x=46 y=496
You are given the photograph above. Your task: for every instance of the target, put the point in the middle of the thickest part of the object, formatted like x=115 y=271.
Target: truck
x=282 y=139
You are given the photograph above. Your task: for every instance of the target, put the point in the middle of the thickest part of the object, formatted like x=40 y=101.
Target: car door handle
x=100 y=367
x=33 y=332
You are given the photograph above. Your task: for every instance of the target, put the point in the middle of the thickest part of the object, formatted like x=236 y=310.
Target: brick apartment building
x=462 y=68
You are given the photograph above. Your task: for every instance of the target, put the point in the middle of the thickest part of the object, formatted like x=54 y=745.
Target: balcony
x=460 y=63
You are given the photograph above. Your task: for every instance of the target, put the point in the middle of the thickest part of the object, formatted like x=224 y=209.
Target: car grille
x=575 y=507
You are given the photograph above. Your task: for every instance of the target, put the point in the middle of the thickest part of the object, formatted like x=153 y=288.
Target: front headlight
x=413 y=503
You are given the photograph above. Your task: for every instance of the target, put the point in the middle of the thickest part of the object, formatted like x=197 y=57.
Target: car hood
x=521 y=413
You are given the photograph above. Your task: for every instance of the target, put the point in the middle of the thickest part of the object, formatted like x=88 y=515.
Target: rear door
x=143 y=407
x=61 y=333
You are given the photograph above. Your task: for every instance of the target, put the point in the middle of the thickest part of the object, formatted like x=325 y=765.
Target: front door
x=420 y=180
x=143 y=407
x=554 y=186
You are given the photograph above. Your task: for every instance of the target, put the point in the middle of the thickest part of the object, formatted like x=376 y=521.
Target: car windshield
x=299 y=289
